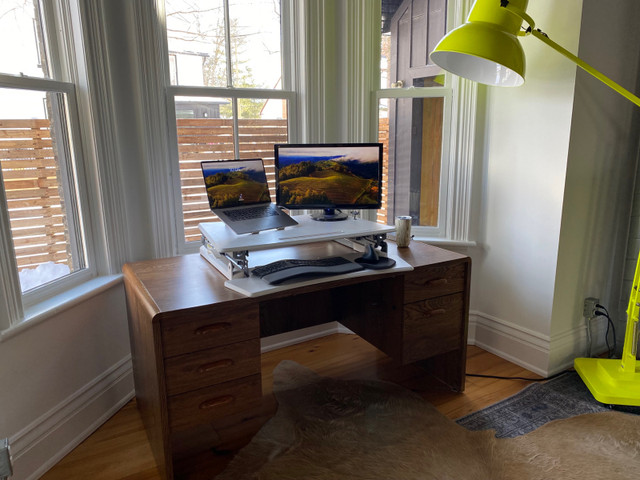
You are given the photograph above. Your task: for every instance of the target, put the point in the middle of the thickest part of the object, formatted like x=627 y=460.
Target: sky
x=259 y=27
x=17 y=31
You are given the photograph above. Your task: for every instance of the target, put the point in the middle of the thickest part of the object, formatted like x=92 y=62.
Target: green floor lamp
x=486 y=49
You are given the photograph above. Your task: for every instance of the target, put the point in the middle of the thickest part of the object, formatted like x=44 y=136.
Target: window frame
x=322 y=90
x=61 y=21
x=446 y=93
x=234 y=93
x=456 y=181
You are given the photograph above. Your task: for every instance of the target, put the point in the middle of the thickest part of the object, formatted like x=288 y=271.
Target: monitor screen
x=235 y=182
x=329 y=176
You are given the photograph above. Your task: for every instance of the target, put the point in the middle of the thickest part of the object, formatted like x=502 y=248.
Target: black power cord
x=518 y=378
x=601 y=311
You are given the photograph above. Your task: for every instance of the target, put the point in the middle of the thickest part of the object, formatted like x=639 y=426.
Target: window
x=228 y=95
x=42 y=229
x=427 y=176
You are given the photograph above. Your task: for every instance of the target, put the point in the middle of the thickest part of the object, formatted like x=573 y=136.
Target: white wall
x=536 y=258
x=62 y=378
x=601 y=171
x=559 y=167
x=525 y=157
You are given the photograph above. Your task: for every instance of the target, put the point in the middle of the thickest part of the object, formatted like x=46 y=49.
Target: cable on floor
x=518 y=378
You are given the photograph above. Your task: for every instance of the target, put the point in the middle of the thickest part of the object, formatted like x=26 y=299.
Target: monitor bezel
x=310 y=206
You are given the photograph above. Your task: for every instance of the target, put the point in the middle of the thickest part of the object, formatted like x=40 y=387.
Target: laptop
x=238 y=194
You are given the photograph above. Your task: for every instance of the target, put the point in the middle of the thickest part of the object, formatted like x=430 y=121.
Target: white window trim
x=160 y=137
x=213 y=92
x=17 y=307
x=458 y=153
x=10 y=295
x=446 y=93
x=151 y=55
x=96 y=109
x=316 y=79
x=461 y=146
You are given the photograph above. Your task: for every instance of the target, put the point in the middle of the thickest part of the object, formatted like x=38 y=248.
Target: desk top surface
x=189 y=281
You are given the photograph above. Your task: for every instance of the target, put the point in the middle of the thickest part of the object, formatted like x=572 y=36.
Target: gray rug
x=562 y=397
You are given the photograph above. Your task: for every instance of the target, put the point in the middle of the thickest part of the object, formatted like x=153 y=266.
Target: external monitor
x=329 y=177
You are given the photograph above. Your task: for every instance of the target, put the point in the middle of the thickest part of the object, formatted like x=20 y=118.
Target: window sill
x=59 y=303
x=439 y=242
x=445 y=242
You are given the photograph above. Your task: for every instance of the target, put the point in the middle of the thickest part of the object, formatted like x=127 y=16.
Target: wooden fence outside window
x=34 y=193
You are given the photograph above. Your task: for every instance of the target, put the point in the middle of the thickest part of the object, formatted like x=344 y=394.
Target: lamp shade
x=486 y=48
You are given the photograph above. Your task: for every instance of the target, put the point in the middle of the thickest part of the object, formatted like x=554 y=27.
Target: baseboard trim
x=46 y=440
x=298 y=336
x=542 y=354
x=512 y=342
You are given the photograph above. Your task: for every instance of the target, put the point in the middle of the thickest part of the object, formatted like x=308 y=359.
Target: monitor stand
x=330 y=215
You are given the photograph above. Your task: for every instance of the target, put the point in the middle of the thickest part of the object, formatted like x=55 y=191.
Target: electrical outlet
x=589 y=308
x=5 y=459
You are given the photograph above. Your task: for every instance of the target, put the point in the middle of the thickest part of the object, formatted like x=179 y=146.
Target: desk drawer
x=208 y=404
x=209 y=367
x=434 y=282
x=190 y=332
x=432 y=327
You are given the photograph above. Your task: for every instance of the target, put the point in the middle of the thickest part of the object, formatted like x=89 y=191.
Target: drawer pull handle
x=216 y=402
x=438 y=281
x=437 y=311
x=213 y=328
x=207 y=367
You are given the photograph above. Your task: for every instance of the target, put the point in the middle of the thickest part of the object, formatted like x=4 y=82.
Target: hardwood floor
x=119 y=449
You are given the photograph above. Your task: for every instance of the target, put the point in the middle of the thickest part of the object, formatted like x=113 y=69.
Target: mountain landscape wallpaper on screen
x=234 y=185
x=309 y=176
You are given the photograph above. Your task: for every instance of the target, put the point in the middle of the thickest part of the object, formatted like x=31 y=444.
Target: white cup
x=403 y=230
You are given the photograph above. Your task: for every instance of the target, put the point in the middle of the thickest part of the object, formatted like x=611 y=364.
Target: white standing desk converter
x=224 y=248
x=224 y=240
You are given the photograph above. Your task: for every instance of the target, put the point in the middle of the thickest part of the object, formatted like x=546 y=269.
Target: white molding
x=311 y=71
x=461 y=151
x=461 y=147
x=57 y=304
x=361 y=65
x=151 y=55
x=46 y=440
x=510 y=341
x=542 y=354
x=10 y=293
x=282 y=340
x=568 y=345
x=98 y=90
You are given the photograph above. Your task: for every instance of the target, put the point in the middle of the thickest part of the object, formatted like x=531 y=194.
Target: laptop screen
x=235 y=183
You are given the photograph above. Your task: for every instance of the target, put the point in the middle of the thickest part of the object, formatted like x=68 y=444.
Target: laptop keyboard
x=260 y=211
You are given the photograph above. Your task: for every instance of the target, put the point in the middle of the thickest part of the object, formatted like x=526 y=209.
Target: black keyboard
x=251 y=213
x=277 y=272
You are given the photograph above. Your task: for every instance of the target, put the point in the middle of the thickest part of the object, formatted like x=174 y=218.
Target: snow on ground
x=43 y=273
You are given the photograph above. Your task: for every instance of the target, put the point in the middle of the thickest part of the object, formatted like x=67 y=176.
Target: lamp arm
x=587 y=68
x=540 y=35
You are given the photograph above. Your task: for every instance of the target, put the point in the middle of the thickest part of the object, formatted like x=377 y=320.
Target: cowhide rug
x=333 y=429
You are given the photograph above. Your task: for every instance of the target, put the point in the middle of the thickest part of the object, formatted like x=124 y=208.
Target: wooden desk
x=196 y=344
